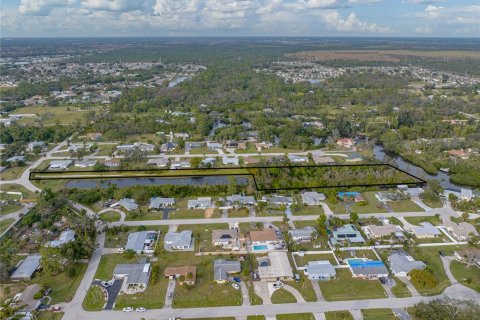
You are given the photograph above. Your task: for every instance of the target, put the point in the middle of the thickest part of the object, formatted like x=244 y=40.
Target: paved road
x=17 y=215
x=170 y=291
x=294 y=292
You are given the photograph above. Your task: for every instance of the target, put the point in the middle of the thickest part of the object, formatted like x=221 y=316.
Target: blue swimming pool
x=260 y=247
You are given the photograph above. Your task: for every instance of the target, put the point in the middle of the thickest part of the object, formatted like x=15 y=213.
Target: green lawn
x=144 y=215
x=372 y=205
x=468 y=276
x=400 y=290
x=119 y=239
x=369 y=254
x=302 y=261
x=378 y=314
x=203 y=235
x=9 y=208
x=110 y=216
x=94 y=300
x=239 y=213
x=282 y=296
x=152 y=298
x=435 y=204
x=63 y=114
x=63 y=287
x=49 y=315
x=5 y=223
x=305 y=288
x=338 y=315
x=296 y=316
x=12 y=173
x=27 y=194
x=345 y=287
x=404 y=206
x=417 y=220
x=254 y=298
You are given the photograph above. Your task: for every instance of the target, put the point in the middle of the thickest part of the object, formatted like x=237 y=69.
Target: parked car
x=237 y=279
x=235 y=286
x=121 y=249
x=278 y=285
x=170 y=295
x=382 y=280
x=297 y=277
x=127 y=309
x=105 y=284
x=141 y=309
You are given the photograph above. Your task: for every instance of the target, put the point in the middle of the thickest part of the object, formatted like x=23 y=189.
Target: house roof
x=462 y=229
x=65 y=236
x=27 y=267
x=127 y=203
x=156 y=202
x=136 y=240
x=60 y=163
x=181 y=271
x=267 y=234
x=322 y=267
x=279 y=266
x=200 y=202
x=241 y=199
x=402 y=263
x=224 y=235
x=179 y=239
x=312 y=197
x=381 y=231
x=426 y=228
x=136 y=273
x=222 y=268
x=158 y=161
x=301 y=233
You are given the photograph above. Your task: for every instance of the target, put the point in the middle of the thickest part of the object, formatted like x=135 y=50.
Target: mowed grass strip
x=296 y=316
x=345 y=287
x=94 y=300
x=282 y=296
x=338 y=315
x=469 y=276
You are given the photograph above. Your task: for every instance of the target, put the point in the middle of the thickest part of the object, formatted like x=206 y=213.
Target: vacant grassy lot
x=27 y=194
x=305 y=288
x=52 y=115
x=369 y=254
x=110 y=216
x=404 y=206
x=372 y=205
x=152 y=298
x=12 y=173
x=296 y=316
x=400 y=290
x=417 y=220
x=94 y=300
x=50 y=315
x=338 y=315
x=238 y=213
x=9 y=208
x=345 y=287
x=5 y=223
x=378 y=314
x=468 y=276
x=282 y=296
x=63 y=287
x=302 y=261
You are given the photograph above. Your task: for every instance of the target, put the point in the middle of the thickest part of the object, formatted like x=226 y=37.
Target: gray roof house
x=426 y=230
x=159 y=162
x=302 y=235
x=278 y=200
x=142 y=242
x=127 y=203
x=347 y=233
x=312 y=198
x=60 y=164
x=243 y=200
x=85 y=163
x=200 y=203
x=156 y=203
x=15 y=159
x=223 y=268
x=297 y=159
x=27 y=268
x=320 y=270
x=136 y=276
x=179 y=240
x=401 y=264
x=65 y=236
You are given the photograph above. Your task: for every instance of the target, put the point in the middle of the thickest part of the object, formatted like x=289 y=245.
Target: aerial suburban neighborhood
x=239 y=180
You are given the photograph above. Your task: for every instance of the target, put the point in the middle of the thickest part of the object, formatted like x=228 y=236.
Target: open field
x=282 y=296
x=27 y=194
x=95 y=299
x=338 y=315
x=302 y=261
x=50 y=115
x=5 y=223
x=378 y=314
x=9 y=208
x=417 y=220
x=381 y=55
x=468 y=276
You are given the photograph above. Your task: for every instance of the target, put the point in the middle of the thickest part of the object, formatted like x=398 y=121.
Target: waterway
x=179 y=181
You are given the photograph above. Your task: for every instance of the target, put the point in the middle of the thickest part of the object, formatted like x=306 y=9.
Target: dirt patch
x=209 y=213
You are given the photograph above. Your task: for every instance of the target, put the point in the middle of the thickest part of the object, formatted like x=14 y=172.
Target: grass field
x=63 y=287
x=338 y=315
x=345 y=287
x=120 y=239
x=50 y=115
x=378 y=314
x=5 y=223
x=239 y=213
x=305 y=288
x=468 y=276
x=9 y=208
x=400 y=290
x=302 y=261
x=404 y=206
x=282 y=296
x=296 y=316
x=18 y=188
x=110 y=216
x=12 y=173
x=49 y=315
x=417 y=220
x=94 y=300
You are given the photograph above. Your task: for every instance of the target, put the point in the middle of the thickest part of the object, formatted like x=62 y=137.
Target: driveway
x=410 y=286
x=166 y=212
x=261 y=289
x=245 y=295
x=112 y=292
x=169 y=294
x=318 y=292
x=295 y=293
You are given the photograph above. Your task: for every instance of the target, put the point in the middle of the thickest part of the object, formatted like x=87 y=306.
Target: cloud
x=423 y=30
x=451 y=15
x=114 y=5
x=42 y=7
x=425 y=1
x=351 y=24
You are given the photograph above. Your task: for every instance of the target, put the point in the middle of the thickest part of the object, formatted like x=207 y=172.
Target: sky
x=390 y=18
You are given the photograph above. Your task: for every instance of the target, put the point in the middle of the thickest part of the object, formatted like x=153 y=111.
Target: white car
x=278 y=285
x=235 y=286
x=127 y=309
x=141 y=309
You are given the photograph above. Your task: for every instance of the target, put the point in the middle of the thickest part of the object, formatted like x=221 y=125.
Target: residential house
x=367 y=269
x=320 y=270
x=156 y=203
x=347 y=233
x=376 y=232
x=16 y=159
x=426 y=230
x=180 y=164
x=226 y=238
x=302 y=235
x=168 y=146
x=60 y=164
x=265 y=236
x=263 y=145
x=136 y=276
x=26 y=268
x=208 y=162
x=242 y=145
x=230 y=161
x=112 y=163
x=275 y=267
x=231 y=144
x=142 y=242
x=241 y=200
x=188 y=274
x=159 y=162
x=214 y=145
x=222 y=269
x=145 y=147
x=251 y=160
x=85 y=163
x=468 y=255
x=35 y=144
x=345 y=143
x=401 y=264
x=466 y=194
x=459 y=154
x=461 y=231
x=200 y=203
x=65 y=237
x=277 y=200
x=323 y=160
x=297 y=159
x=312 y=198
x=179 y=240
x=126 y=203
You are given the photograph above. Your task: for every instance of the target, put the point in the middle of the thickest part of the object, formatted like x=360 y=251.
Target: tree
x=195 y=162
x=465 y=216
x=447 y=309
x=423 y=278
x=51 y=260
x=353 y=217
x=321 y=224
x=129 y=253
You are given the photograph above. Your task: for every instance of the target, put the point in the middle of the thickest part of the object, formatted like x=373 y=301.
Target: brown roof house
x=185 y=274
x=267 y=235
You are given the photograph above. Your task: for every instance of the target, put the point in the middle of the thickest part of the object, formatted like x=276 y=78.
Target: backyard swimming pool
x=260 y=247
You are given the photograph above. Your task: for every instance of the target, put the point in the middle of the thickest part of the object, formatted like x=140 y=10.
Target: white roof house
x=243 y=200
x=276 y=267
x=297 y=159
x=462 y=231
x=27 y=268
x=60 y=164
x=127 y=203
x=426 y=230
x=302 y=235
x=142 y=241
x=157 y=203
x=159 y=162
x=312 y=198
x=320 y=270
x=85 y=163
x=200 y=203
x=136 y=276
x=230 y=161
x=179 y=240
x=401 y=265
x=65 y=236
x=466 y=194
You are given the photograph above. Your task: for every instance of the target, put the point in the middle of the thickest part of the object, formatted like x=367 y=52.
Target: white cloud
x=423 y=30
x=351 y=24
x=451 y=15
x=42 y=7
x=113 y=5
x=425 y=1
